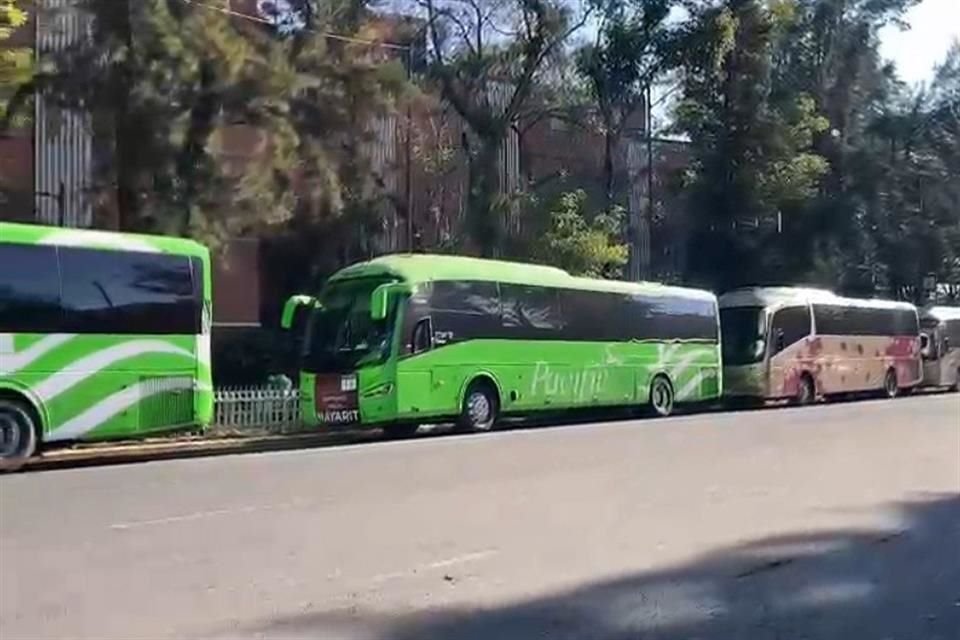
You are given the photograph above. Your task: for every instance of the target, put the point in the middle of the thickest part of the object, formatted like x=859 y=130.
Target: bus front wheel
x=661 y=397
x=481 y=407
x=18 y=435
x=891 y=388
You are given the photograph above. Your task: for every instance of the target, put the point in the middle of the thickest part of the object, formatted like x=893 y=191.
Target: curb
x=134 y=452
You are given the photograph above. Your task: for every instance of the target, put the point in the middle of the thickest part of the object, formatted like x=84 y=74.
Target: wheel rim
x=806 y=391
x=11 y=435
x=479 y=409
x=661 y=397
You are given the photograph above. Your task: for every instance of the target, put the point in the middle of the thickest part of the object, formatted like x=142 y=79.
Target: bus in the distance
x=940 y=346
x=785 y=343
x=408 y=339
x=102 y=335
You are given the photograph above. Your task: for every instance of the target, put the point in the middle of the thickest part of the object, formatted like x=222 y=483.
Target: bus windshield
x=744 y=332
x=341 y=335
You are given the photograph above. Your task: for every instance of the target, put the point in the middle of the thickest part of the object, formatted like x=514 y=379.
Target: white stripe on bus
x=12 y=362
x=83 y=368
x=110 y=406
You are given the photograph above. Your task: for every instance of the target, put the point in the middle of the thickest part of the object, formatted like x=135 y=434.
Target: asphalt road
x=839 y=521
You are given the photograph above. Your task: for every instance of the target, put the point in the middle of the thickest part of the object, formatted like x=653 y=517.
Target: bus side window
x=789 y=326
x=423 y=336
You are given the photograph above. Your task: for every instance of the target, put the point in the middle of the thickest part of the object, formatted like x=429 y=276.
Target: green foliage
x=582 y=243
x=176 y=90
x=808 y=159
x=16 y=63
x=756 y=162
x=12 y=16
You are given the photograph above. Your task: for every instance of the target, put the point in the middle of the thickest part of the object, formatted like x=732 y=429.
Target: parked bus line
x=107 y=335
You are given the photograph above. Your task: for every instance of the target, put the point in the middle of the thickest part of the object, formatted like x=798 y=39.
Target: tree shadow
x=880 y=584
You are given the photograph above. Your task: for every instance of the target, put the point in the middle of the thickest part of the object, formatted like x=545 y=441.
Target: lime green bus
x=102 y=335
x=406 y=339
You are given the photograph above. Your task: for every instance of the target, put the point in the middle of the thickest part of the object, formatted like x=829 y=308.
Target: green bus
x=406 y=339
x=102 y=335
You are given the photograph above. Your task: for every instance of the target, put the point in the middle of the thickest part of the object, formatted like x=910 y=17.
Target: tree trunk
x=125 y=133
x=609 y=148
x=190 y=161
x=483 y=216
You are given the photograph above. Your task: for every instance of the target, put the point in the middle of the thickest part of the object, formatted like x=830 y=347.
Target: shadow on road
x=900 y=584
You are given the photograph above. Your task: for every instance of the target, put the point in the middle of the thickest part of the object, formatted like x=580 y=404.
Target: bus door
x=930 y=350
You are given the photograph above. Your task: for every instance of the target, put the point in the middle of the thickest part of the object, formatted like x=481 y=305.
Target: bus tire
x=481 y=407
x=956 y=382
x=891 y=387
x=661 y=396
x=18 y=434
x=806 y=391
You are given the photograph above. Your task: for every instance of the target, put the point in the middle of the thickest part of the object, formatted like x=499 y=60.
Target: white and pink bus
x=786 y=343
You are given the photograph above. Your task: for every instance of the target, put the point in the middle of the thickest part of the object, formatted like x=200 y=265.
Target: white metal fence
x=257 y=409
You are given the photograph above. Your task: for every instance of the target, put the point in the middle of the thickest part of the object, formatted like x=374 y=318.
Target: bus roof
x=87 y=238
x=415 y=268
x=780 y=296
x=941 y=314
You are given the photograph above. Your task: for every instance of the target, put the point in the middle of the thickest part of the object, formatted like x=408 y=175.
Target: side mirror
x=781 y=340
x=380 y=302
x=293 y=304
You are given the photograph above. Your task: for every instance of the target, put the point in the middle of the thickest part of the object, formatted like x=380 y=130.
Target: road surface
x=839 y=521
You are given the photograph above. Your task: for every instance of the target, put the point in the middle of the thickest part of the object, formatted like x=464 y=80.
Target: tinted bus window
x=126 y=292
x=530 y=310
x=907 y=323
x=593 y=315
x=789 y=326
x=462 y=310
x=29 y=289
x=670 y=317
x=863 y=321
x=477 y=298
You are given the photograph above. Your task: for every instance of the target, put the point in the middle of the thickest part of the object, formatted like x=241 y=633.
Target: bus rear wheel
x=891 y=388
x=18 y=435
x=481 y=407
x=661 y=397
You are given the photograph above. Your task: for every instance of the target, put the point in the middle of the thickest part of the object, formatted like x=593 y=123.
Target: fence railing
x=260 y=409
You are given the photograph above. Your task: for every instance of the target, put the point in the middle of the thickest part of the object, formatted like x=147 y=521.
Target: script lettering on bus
x=577 y=384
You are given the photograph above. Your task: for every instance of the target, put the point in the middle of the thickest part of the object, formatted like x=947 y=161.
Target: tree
x=754 y=164
x=905 y=174
x=169 y=84
x=583 y=244
x=485 y=57
x=632 y=48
